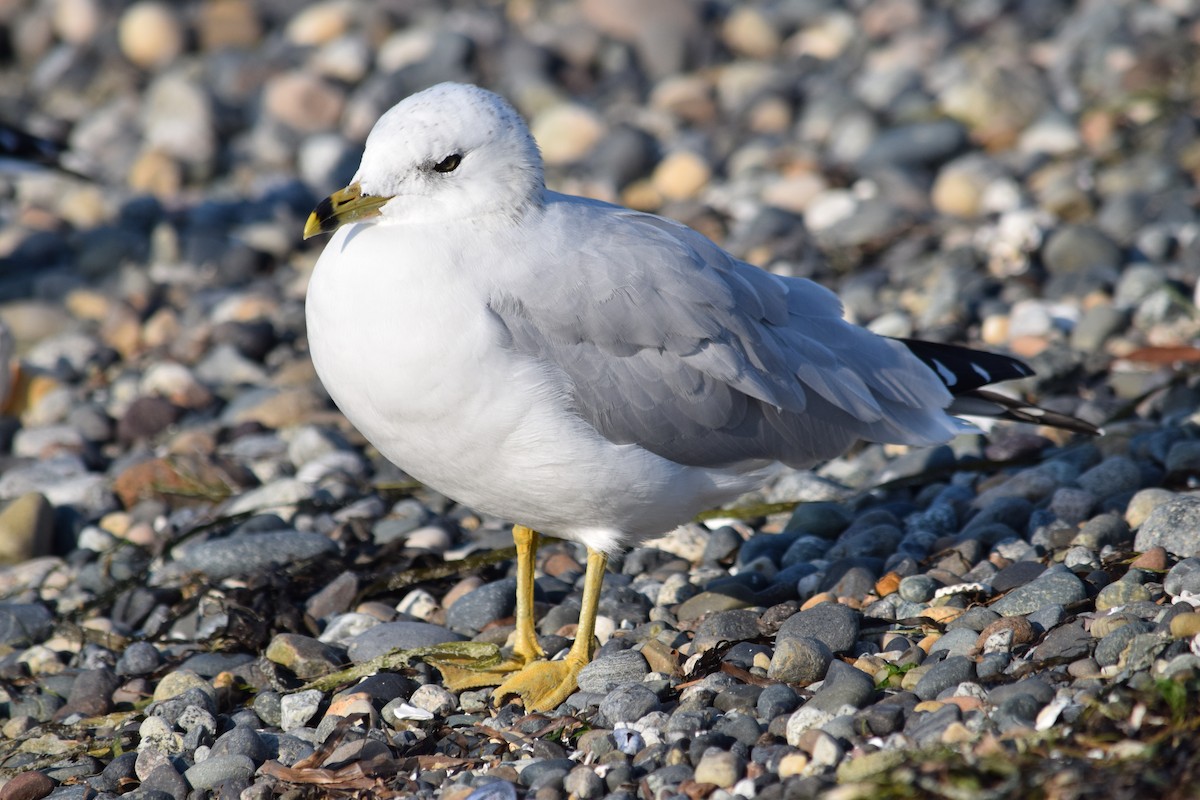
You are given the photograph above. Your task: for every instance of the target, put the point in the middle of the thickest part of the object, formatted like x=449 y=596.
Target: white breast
x=402 y=340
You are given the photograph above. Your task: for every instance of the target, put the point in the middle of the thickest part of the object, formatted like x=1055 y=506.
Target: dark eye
x=449 y=163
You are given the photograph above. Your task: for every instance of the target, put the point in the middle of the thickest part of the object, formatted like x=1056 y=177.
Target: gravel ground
x=196 y=545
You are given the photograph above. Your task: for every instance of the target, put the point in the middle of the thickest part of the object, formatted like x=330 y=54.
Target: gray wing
x=668 y=342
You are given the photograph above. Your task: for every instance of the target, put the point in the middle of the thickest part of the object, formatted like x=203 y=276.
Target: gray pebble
x=957 y=642
x=1055 y=586
x=1183 y=577
x=1174 y=526
x=241 y=741
x=799 y=659
x=24 y=624
x=539 y=773
x=474 y=610
x=918 y=588
x=832 y=624
x=1112 y=476
x=844 y=686
x=216 y=770
x=613 y=669
x=628 y=702
x=1064 y=643
x=165 y=778
x=494 y=790
x=944 y=675
x=726 y=626
x=246 y=554
x=388 y=636
x=583 y=782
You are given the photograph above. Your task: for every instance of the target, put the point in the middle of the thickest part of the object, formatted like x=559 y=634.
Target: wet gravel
x=190 y=533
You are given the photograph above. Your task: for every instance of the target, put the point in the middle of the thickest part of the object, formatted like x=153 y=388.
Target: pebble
x=832 y=624
x=26 y=529
x=799 y=659
x=1173 y=525
x=156 y=384
x=383 y=638
x=217 y=770
x=244 y=554
x=150 y=34
x=610 y=670
x=1050 y=588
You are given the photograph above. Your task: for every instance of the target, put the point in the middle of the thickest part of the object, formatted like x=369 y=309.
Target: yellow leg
x=543 y=685
x=525 y=645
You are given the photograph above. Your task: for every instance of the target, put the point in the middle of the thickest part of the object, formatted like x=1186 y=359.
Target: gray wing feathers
x=670 y=343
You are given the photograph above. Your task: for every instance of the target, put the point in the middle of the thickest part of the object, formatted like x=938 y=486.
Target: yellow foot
x=541 y=685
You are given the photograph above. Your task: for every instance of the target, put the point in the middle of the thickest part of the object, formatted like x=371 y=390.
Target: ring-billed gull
x=588 y=371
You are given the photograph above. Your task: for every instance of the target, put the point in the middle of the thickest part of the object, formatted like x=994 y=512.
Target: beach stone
x=150 y=34
x=1080 y=248
x=944 y=675
x=306 y=657
x=566 y=132
x=583 y=782
x=1183 y=459
x=1173 y=525
x=1143 y=502
x=475 y=610
x=1064 y=643
x=319 y=23
x=1017 y=574
x=844 y=686
x=24 y=624
x=776 y=700
x=917 y=588
x=1120 y=593
x=303 y=101
x=612 y=669
x=832 y=624
x=799 y=659
x=628 y=702
x=298 y=708
x=720 y=768
x=245 y=554
x=1112 y=476
x=31 y=785
x=434 y=699
x=217 y=770
x=1106 y=530
x=681 y=175
x=726 y=626
x=383 y=638
x=1109 y=649
x=26 y=529
x=164 y=779
x=242 y=741
x=1055 y=586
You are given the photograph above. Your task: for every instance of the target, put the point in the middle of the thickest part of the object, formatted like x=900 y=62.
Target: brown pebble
x=817 y=599
x=888 y=584
x=559 y=564
x=27 y=786
x=966 y=703
x=1154 y=559
x=1022 y=631
x=465 y=586
x=1186 y=625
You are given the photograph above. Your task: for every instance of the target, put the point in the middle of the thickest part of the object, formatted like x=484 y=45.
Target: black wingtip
x=962 y=369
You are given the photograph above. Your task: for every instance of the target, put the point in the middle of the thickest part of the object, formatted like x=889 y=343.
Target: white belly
x=408 y=352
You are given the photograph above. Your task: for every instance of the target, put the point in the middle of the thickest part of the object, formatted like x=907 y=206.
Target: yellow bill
x=341 y=207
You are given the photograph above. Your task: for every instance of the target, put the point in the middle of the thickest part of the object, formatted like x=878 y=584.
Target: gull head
x=449 y=153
